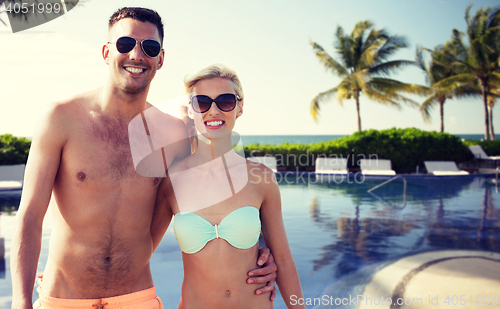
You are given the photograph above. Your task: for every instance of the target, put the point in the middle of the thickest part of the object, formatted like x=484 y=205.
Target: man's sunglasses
x=225 y=102
x=151 y=48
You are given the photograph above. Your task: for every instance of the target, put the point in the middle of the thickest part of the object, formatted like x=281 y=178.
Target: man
x=101 y=242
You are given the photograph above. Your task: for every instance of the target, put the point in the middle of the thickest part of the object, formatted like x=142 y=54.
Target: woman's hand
x=266 y=273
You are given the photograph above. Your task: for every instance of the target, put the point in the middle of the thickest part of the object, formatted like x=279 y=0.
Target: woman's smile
x=214 y=124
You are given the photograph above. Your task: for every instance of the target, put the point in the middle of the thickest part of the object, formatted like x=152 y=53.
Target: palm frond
x=321 y=98
x=457 y=45
x=467 y=14
x=391 y=66
x=494 y=80
x=402 y=99
x=374 y=37
x=380 y=98
x=419 y=58
x=426 y=108
x=344 y=91
x=359 y=31
x=494 y=17
x=359 y=79
x=391 y=45
x=327 y=61
x=391 y=86
x=342 y=46
x=455 y=81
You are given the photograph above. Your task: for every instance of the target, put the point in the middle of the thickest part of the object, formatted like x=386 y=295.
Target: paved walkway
x=438 y=279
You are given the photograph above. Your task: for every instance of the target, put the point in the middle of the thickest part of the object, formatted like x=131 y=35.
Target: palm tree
x=492 y=100
x=363 y=67
x=478 y=62
x=439 y=68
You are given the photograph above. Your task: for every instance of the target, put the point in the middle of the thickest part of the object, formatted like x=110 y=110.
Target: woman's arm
x=274 y=233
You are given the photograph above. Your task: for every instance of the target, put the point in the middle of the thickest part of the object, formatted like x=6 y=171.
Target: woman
x=220 y=202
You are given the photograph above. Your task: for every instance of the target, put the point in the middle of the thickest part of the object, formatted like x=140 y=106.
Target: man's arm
x=41 y=170
x=162 y=214
x=267 y=273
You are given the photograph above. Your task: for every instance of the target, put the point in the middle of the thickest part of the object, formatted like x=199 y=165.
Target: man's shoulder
x=161 y=126
x=153 y=113
x=60 y=117
x=73 y=104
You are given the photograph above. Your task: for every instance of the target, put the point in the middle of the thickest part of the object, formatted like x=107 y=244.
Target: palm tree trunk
x=486 y=114
x=492 y=132
x=441 y=110
x=357 y=109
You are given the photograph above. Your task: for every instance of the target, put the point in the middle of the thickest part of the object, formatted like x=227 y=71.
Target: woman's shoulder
x=259 y=173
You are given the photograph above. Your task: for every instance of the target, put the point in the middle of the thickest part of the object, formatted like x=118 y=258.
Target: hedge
x=492 y=148
x=13 y=150
x=406 y=148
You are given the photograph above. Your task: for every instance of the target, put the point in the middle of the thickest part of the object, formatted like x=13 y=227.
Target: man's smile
x=134 y=70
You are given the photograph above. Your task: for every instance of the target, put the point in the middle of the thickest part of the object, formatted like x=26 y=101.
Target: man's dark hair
x=140 y=14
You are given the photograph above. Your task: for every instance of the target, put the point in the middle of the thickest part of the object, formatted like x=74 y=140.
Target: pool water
x=340 y=234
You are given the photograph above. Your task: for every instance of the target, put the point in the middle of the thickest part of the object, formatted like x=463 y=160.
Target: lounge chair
x=267 y=161
x=376 y=167
x=479 y=153
x=443 y=168
x=331 y=166
x=11 y=177
x=10 y=185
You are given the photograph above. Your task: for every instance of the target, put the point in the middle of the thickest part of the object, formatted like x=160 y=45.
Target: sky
x=265 y=42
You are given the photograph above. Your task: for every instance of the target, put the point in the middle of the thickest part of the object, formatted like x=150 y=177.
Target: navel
x=156 y=181
x=81 y=176
x=228 y=293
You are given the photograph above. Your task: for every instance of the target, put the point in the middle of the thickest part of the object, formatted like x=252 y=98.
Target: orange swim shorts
x=145 y=299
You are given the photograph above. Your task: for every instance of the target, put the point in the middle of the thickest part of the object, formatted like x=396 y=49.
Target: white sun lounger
x=267 y=161
x=11 y=177
x=479 y=153
x=10 y=185
x=376 y=167
x=331 y=166
x=443 y=168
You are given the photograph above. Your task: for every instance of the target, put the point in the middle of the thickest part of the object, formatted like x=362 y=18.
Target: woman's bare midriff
x=215 y=277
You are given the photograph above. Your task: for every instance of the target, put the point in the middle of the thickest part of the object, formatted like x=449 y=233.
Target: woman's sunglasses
x=225 y=102
x=151 y=48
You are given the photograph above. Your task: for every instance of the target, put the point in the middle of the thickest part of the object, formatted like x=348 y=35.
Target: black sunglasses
x=225 y=102
x=151 y=48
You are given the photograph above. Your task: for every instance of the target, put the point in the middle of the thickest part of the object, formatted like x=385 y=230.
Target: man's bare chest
x=102 y=149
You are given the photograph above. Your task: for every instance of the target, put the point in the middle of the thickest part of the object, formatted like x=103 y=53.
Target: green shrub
x=492 y=148
x=406 y=148
x=13 y=150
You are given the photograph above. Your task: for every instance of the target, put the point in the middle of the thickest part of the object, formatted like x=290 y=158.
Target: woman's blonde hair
x=212 y=71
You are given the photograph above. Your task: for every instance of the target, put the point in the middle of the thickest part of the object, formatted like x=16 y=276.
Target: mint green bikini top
x=240 y=228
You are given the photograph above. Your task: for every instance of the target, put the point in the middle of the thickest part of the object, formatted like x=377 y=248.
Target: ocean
x=307 y=139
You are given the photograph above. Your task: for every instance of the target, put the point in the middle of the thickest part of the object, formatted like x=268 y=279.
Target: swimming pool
x=340 y=235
